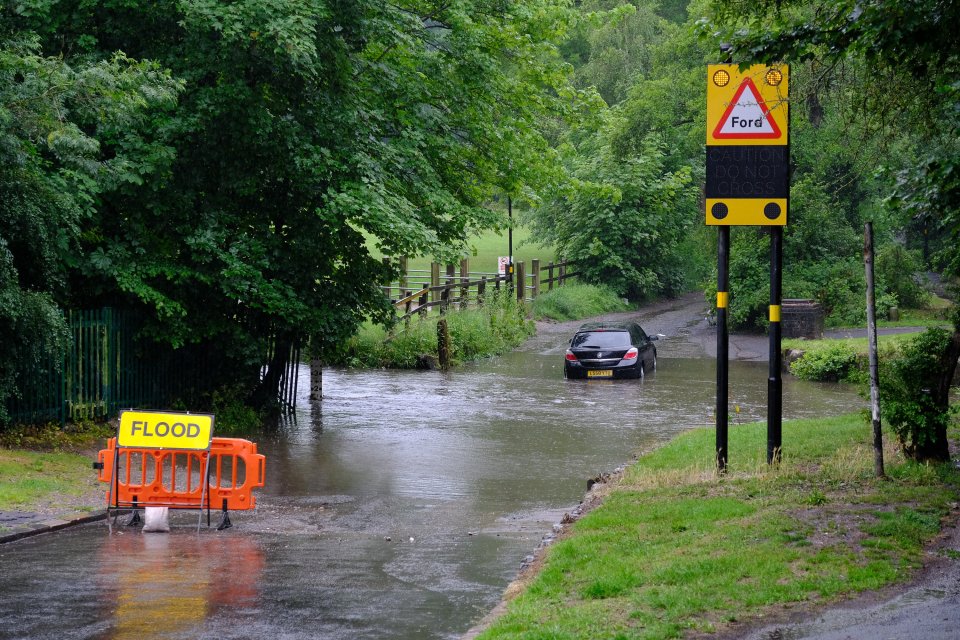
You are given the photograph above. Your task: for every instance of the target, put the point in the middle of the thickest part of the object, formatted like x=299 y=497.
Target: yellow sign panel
x=164 y=430
x=749 y=107
x=746 y=211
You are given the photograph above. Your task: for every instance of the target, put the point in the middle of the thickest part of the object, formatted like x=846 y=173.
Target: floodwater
x=399 y=508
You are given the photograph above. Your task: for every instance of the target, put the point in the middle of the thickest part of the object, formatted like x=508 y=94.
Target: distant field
x=486 y=248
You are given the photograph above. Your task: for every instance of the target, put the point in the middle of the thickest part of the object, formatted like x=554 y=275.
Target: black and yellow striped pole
x=723 y=360
x=774 y=381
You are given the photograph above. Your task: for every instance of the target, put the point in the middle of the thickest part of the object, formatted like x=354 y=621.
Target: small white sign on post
x=502 y=262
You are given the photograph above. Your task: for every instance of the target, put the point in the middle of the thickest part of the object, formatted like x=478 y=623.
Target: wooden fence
x=464 y=288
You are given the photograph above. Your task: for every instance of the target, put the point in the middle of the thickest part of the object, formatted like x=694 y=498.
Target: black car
x=605 y=350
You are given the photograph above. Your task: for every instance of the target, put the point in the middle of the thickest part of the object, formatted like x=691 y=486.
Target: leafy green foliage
x=909 y=397
x=624 y=221
x=897 y=272
x=52 y=169
x=240 y=214
x=838 y=361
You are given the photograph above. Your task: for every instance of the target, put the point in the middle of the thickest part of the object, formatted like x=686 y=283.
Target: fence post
x=464 y=279
x=434 y=281
x=481 y=290
x=406 y=293
x=550 y=277
x=424 y=300
x=521 y=281
x=316 y=380
x=563 y=273
x=535 y=267
x=403 y=275
x=443 y=344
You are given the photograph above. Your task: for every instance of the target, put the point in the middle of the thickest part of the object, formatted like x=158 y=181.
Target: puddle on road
x=401 y=509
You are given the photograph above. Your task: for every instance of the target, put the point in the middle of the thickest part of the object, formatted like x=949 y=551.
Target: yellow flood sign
x=165 y=430
x=748 y=152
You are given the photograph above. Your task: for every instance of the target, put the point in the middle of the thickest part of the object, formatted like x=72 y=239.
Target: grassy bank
x=46 y=468
x=576 y=301
x=496 y=327
x=32 y=480
x=675 y=548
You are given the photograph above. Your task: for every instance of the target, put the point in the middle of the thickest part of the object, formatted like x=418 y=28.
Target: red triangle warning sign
x=747 y=116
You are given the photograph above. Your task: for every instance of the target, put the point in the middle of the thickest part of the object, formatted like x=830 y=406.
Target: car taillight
x=569 y=356
x=632 y=354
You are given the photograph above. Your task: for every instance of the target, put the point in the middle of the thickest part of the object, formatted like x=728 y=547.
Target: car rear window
x=601 y=339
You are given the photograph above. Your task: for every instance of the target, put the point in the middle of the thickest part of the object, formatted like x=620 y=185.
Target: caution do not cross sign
x=748 y=158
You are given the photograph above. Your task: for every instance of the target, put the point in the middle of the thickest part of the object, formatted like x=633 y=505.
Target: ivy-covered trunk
x=915 y=394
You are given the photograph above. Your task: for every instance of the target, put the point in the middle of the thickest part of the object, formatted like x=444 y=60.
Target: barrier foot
x=135 y=519
x=224 y=521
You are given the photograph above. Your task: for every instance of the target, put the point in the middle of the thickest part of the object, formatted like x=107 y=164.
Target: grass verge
x=675 y=548
x=48 y=468
x=575 y=301
x=496 y=327
x=32 y=480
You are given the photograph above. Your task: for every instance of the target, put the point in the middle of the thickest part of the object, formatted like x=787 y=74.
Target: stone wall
x=801 y=319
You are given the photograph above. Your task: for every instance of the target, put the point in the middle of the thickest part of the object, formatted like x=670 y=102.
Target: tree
x=51 y=172
x=914 y=44
x=304 y=131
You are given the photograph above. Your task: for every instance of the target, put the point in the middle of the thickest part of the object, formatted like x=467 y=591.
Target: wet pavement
x=399 y=507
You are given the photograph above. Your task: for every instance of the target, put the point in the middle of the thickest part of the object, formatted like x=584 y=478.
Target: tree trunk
x=939 y=447
x=267 y=395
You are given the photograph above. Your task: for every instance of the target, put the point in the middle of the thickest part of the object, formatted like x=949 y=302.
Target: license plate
x=600 y=373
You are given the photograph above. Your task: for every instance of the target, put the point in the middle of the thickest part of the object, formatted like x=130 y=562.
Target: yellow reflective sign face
x=748 y=155
x=747 y=108
x=165 y=430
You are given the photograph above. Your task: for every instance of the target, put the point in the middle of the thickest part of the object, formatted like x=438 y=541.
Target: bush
x=835 y=362
x=908 y=396
x=576 y=301
x=897 y=274
x=230 y=405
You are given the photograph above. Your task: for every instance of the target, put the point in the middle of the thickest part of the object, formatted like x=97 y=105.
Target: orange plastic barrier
x=174 y=478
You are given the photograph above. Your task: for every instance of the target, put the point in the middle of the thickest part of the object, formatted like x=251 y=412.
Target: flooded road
x=399 y=508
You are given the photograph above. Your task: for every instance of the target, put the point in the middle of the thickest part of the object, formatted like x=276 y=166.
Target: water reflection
x=167 y=585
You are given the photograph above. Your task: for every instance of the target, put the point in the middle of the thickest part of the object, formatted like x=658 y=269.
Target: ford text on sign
x=165 y=430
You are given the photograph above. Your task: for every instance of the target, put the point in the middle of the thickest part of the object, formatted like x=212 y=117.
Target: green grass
x=675 y=548
x=844 y=359
x=497 y=327
x=575 y=301
x=31 y=478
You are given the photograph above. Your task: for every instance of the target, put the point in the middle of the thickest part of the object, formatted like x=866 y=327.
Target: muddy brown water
x=400 y=507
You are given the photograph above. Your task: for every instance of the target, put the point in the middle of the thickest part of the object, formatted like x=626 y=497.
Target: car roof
x=607 y=326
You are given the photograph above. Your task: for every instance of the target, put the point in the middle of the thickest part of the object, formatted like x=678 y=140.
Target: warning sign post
x=748 y=183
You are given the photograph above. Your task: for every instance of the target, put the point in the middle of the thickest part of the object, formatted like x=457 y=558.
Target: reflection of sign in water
x=165 y=430
x=168 y=585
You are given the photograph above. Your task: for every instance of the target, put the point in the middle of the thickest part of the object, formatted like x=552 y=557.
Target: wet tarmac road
x=400 y=508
